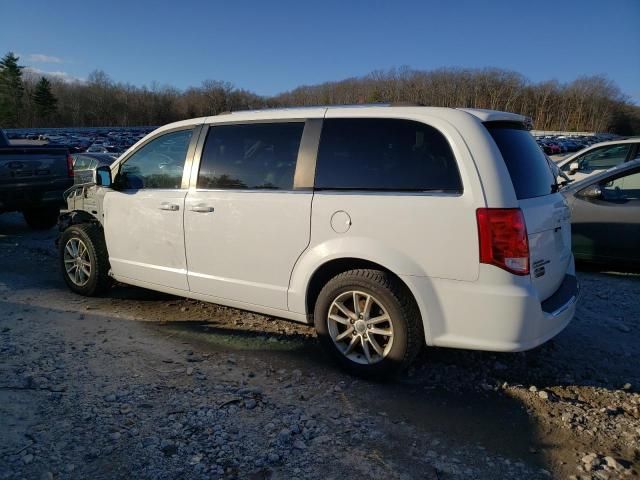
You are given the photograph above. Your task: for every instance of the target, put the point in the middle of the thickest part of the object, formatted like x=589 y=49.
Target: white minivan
x=386 y=227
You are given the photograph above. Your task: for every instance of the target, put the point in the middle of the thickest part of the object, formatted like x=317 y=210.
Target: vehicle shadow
x=443 y=421
x=137 y=294
x=445 y=417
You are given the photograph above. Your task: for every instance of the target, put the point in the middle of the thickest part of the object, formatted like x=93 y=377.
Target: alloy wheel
x=360 y=327
x=77 y=262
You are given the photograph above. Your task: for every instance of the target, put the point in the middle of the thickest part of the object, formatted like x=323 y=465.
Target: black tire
x=408 y=336
x=42 y=218
x=92 y=236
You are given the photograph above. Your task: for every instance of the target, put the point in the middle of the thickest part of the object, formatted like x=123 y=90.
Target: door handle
x=172 y=207
x=201 y=209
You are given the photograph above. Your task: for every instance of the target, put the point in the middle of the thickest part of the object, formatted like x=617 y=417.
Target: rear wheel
x=42 y=218
x=84 y=259
x=369 y=322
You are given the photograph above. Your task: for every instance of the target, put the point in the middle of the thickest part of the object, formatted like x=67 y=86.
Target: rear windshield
x=526 y=162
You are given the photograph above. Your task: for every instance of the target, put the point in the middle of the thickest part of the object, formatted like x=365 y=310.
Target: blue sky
x=273 y=46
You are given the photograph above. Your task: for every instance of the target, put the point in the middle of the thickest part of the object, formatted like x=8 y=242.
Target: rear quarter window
x=383 y=154
x=528 y=168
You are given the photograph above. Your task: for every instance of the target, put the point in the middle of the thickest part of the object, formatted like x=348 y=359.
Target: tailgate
x=546 y=213
x=549 y=230
x=26 y=166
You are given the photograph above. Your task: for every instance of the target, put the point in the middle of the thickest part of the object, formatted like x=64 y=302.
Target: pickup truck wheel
x=84 y=259
x=369 y=322
x=42 y=218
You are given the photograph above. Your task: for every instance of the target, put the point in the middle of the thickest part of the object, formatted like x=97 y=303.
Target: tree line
x=589 y=103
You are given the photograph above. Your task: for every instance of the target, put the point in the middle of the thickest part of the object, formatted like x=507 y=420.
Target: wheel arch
x=75 y=217
x=336 y=266
x=332 y=267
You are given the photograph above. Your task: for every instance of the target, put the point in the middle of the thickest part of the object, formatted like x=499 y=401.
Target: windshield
x=525 y=160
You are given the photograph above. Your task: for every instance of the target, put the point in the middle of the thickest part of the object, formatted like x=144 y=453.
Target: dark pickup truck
x=32 y=181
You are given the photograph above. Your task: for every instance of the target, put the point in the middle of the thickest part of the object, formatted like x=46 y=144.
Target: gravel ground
x=139 y=384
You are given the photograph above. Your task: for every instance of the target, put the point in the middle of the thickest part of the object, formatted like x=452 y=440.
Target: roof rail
x=349 y=105
x=407 y=104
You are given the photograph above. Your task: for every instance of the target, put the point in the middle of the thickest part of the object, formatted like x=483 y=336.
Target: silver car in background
x=84 y=164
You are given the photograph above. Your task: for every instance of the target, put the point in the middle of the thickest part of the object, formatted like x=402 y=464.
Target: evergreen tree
x=11 y=90
x=44 y=101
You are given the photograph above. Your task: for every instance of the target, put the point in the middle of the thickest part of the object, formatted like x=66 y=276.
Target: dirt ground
x=138 y=384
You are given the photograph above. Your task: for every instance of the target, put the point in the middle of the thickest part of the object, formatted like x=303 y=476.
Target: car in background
x=546 y=148
x=78 y=140
x=554 y=147
x=600 y=157
x=563 y=146
x=32 y=181
x=544 y=145
x=99 y=148
x=571 y=145
x=84 y=164
x=581 y=142
x=605 y=215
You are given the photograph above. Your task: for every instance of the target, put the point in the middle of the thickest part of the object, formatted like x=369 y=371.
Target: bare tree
x=588 y=103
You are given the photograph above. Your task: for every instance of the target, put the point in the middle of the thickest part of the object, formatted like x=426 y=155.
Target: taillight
x=69 y=165
x=503 y=239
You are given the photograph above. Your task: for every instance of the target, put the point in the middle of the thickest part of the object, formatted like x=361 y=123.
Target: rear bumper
x=563 y=298
x=12 y=199
x=499 y=312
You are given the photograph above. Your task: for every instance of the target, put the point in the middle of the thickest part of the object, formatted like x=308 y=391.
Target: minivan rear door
x=546 y=212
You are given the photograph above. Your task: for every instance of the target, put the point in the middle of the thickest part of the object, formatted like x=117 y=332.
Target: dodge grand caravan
x=385 y=227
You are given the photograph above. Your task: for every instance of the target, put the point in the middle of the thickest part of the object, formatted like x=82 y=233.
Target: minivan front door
x=246 y=223
x=143 y=214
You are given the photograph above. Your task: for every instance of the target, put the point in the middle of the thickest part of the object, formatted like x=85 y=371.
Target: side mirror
x=103 y=176
x=573 y=168
x=592 y=192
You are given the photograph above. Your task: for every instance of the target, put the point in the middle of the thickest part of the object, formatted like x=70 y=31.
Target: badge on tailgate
x=538 y=267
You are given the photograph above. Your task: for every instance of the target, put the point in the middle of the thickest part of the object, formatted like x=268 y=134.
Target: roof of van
x=484 y=115
x=319 y=112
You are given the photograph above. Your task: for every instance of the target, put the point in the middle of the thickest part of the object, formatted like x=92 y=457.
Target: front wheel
x=84 y=259
x=369 y=322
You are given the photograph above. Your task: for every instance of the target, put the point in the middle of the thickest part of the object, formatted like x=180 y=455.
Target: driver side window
x=602 y=158
x=158 y=164
x=622 y=188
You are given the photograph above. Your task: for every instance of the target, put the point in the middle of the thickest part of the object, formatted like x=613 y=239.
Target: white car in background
x=600 y=157
x=385 y=227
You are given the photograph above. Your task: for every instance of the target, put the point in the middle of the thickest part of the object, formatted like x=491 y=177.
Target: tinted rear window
x=525 y=160
x=385 y=154
x=250 y=156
